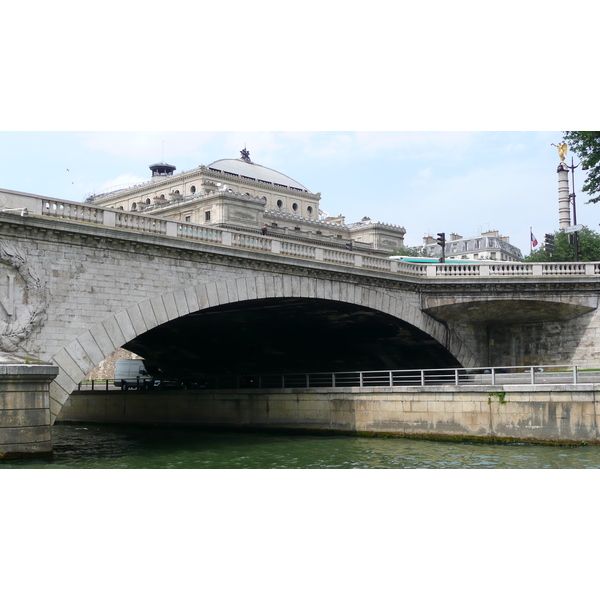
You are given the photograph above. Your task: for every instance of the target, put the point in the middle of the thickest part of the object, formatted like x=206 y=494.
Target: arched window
x=134 y=206
x=279 y=203
x=193 y=189
x=309 y=210
x=295 y=207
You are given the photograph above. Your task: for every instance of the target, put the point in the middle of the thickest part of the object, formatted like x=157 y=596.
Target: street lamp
x=572 y=201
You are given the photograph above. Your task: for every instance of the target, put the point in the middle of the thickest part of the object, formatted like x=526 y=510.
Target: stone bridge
x=78 y=282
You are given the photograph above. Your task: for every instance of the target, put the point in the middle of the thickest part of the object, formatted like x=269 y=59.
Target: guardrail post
x=360 y=379
x=422 y=377
x=532 y=375
x=575 y=374
x=456 y=376
x=333 y=380
x=493 y=376
x=391 y=379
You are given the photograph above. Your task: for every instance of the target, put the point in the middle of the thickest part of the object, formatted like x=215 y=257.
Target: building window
x=295 y=207
x=309 y=210
x=134 y=206
x=188 y=219
x=147 y=200
x=193 y=189
x=279 y=203
x=207 y=216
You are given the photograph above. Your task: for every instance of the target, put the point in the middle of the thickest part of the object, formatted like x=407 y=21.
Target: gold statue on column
x=562 y=151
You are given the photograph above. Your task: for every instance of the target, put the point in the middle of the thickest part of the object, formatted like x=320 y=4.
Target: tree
x=405 y=251
x=588 y=247
x=586 y=144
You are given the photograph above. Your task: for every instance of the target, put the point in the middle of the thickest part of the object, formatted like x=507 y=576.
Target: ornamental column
x=564 y=202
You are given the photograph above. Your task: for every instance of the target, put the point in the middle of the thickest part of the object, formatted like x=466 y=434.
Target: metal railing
x=486 y=376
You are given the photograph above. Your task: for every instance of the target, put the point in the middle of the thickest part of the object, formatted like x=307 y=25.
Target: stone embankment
x=544 y=414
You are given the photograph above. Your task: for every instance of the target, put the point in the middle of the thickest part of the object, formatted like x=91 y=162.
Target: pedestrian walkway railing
x=485 y=376
x=142 y=223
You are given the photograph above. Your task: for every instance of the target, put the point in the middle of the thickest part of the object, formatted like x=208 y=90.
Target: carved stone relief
x=242 y=216
x=22 y=298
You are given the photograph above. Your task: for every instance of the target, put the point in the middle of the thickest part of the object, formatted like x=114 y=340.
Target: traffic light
x=549 y=243
x=441 y=241
x=348 y=245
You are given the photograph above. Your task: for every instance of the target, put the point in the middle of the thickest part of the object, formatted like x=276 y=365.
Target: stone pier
x=25 y=418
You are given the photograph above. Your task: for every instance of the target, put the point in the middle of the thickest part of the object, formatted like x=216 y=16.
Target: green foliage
x=404 y=251
x=499 y=395
x=588 y=244
x=586 y=145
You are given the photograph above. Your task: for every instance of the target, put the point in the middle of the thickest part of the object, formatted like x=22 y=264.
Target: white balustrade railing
x=75 y=211
x=198 y=232
x=338 y=256
x=143 y=223
x=301 y=250
x=251 y=242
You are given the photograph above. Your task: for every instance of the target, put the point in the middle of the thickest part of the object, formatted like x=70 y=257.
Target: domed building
x=245 y=196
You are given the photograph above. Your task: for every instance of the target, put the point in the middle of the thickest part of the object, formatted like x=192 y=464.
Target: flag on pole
x=534 y=242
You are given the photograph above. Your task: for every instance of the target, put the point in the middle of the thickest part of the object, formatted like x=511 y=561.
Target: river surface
x=152 y=447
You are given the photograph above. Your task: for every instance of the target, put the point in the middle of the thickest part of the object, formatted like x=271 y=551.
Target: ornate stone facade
x=239 y=194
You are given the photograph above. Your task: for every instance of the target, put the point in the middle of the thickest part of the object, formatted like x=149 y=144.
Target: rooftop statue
x=562 y=151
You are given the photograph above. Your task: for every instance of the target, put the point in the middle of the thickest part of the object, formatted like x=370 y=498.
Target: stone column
x=564 y=204
x=25 y=410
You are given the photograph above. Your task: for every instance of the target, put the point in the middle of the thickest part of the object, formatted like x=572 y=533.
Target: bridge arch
x=82 y=354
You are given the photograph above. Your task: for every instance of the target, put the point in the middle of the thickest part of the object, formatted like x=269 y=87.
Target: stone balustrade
x=75 y=211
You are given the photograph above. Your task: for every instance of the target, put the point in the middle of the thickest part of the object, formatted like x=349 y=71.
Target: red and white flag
x=534 y=242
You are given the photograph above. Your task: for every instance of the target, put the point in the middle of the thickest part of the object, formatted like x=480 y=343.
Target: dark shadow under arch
x=287 y=335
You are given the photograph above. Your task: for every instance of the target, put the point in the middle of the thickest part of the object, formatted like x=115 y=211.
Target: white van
x=132 y=373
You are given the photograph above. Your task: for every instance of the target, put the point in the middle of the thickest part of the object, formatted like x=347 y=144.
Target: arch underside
x=287 y=335
x=280 y=322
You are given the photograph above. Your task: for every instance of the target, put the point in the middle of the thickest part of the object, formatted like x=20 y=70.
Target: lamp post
x=572 y=201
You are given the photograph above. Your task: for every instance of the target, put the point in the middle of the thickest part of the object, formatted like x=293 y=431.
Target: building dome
x=245 y=168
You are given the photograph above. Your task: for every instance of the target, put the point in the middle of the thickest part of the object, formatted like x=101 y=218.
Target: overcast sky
x=428 y=182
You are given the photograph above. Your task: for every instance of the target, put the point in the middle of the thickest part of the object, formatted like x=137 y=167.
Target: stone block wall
x=551 y=414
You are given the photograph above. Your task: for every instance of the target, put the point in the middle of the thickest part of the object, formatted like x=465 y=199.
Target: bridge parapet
x=93 y=215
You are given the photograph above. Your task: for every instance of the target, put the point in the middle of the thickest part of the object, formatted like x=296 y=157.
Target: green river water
x=153 y=447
